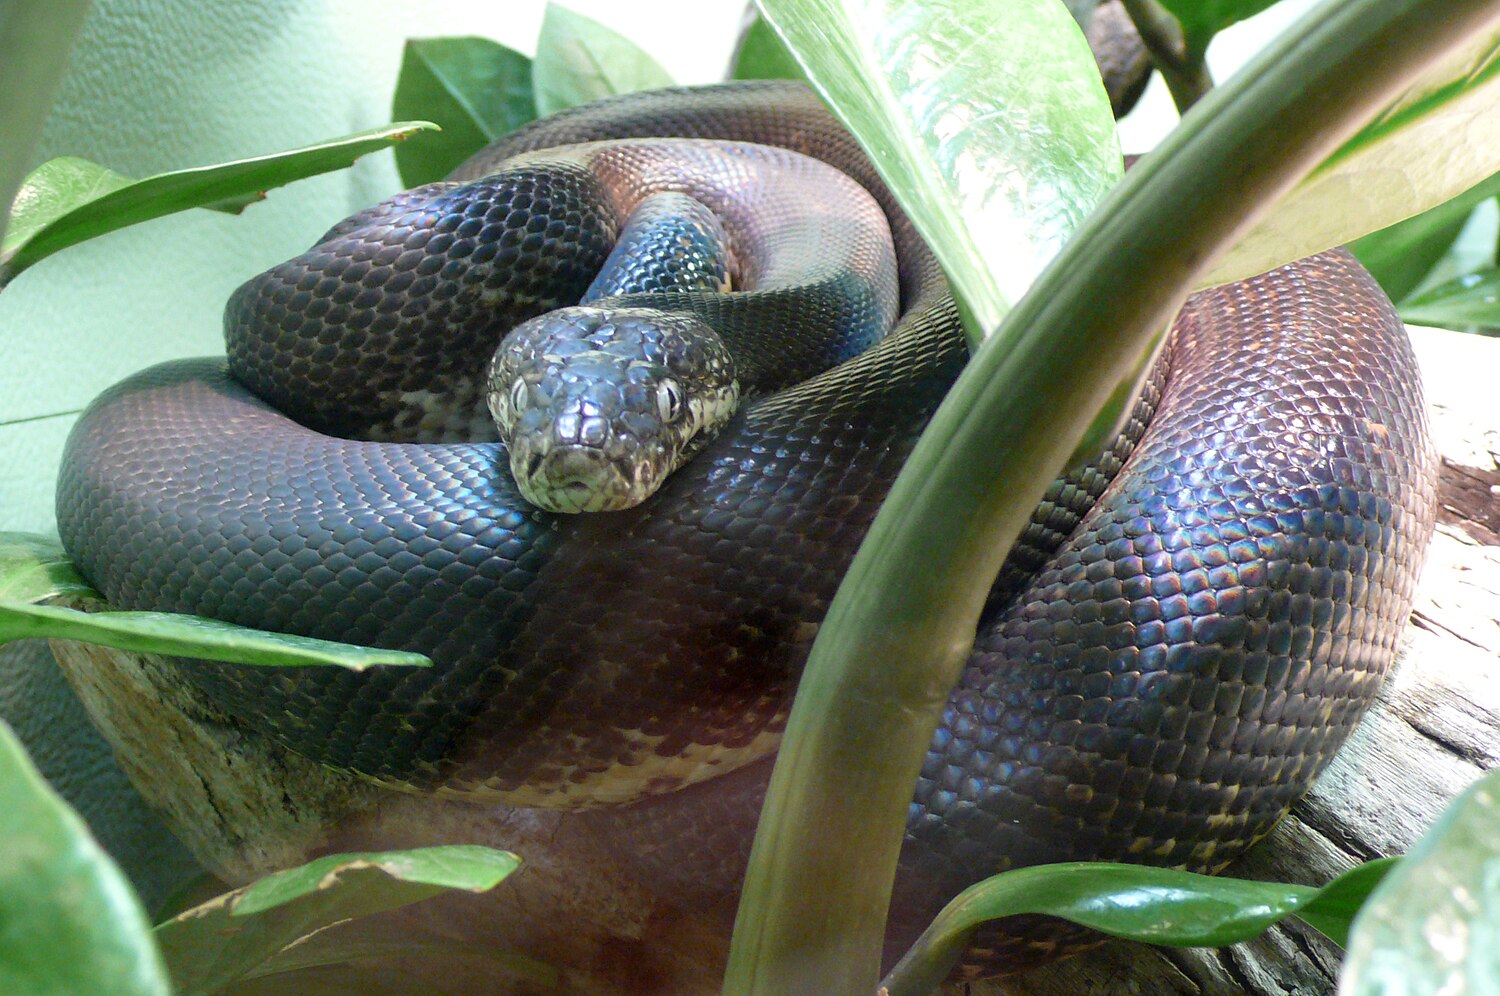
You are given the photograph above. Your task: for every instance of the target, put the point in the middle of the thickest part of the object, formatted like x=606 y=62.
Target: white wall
x=162 y=84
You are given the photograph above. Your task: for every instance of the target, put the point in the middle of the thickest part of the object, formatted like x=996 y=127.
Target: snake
x=1182 y=637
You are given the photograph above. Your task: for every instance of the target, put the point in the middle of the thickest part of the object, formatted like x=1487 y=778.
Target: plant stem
x=903 y=620
x=1182 y=66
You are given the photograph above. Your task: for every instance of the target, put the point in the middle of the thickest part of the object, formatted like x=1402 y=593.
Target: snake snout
x=577 y=479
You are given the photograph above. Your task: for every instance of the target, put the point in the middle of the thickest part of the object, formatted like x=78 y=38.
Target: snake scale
x=1185 y=634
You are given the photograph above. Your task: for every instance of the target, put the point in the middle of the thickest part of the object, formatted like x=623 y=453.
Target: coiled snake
x=1185 y=634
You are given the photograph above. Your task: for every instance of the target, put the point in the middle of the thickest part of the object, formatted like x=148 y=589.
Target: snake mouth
x=573 y=479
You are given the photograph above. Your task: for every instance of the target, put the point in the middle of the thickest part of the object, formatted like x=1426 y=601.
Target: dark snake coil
x=1185 y=634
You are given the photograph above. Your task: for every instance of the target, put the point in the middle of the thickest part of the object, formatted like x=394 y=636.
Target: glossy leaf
x=1401 y=255
x=1471 y=301
x=1151 y=905
x=987 y=119
x=1433 y=926
x=246 y=933
x=894 y=641
x=35 y=40
x=191 y=636
x=1439 y=138
x=69 y=922
x=762 y=55
x=997 y=193
x=35 y=568
x=1202 y=19
x=579 y=60
x=474 y=89
x=65 y=202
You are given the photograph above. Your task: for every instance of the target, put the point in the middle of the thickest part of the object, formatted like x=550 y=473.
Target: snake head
x=598 y=406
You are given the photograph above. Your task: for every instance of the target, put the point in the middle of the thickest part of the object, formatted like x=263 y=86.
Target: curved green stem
x=813 y=908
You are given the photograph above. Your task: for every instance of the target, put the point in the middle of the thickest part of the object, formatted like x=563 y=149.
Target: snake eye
x=517 y=396
x=669 y=401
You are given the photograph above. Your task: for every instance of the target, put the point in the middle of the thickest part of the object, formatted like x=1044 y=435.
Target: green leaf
x=245 y=934
x=1401 y=255
x=894 y=641
x=53 y=189
x=1437 y=139
x=474 y=89
x=1151 y=905
x=1202 y=19
x=35 y=568
x=35 y=40
x=919 y=85
x=579 y=60
x=1471 y=301
x=762 y=55
x=69 y=922
x=996 y=194
x=1433 y=926
x=181 y=635
x=63 y=203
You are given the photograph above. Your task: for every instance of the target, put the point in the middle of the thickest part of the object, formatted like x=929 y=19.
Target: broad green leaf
x=579 y=60
x=35 y=568
x=1151 y=905
x=762 y=55
x=53 y=189
x=1202 y=19
x=1401 y=255
x=1471 y=301
x=61 y=204
x=69 y=922
x=245 y=934
x=474 y=89
x=35 y=40
x=1436 y=141
x=1433 y=926
x=987 y=119
x=181 y=635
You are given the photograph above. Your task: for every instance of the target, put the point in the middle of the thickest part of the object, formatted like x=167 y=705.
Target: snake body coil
x=1185 y=634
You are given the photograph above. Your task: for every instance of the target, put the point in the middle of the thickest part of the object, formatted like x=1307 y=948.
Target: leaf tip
x=410 y=128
